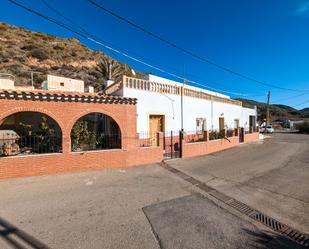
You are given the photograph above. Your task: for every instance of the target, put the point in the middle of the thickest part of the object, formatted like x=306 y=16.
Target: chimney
x=90 y=89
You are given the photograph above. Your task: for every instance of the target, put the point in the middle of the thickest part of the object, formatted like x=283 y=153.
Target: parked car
x=269 y=129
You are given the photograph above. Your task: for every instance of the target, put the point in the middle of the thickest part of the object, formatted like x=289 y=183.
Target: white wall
x=170 y=105
x=70 y=85
x=6 y=84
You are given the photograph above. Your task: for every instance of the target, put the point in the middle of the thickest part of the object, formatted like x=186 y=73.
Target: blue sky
x=264 y=39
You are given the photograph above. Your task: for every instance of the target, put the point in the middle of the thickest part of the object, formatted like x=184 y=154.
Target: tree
x=110 y=69
x=80 y=135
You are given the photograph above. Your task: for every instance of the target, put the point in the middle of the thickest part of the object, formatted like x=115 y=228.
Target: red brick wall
x=251 y=137
x=204 y=148
x=66 y=114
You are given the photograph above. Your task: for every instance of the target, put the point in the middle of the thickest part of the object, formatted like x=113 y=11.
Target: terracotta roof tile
x=69 y=95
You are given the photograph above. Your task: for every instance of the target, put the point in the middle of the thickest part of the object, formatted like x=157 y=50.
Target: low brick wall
x=251 y=137
x=122 y=110
x=35 y=165
x=204 y=148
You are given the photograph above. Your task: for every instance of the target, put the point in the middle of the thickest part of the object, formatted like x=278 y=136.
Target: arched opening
x=28 y=133
x=95 y=131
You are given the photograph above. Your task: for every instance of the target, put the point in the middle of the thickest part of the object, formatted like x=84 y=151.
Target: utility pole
x=268 y=111
x=182 y=92
x=109 y=71
x=182 y=88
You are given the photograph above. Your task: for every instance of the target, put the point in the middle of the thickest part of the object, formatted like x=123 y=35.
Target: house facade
x=48 y=131
x=159 y=104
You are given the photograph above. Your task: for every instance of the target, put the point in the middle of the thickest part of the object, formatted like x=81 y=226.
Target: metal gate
x=171 y=145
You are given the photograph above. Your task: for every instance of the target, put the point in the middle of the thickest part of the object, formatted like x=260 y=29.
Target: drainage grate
x=241 y=207
x=270 y=222
x=282 y=228
x=294 y=235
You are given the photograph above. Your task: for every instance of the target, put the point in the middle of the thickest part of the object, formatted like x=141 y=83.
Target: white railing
x=146 y=85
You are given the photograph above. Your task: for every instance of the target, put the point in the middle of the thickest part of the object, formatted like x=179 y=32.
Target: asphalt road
x=271 y=176
x=146 y=207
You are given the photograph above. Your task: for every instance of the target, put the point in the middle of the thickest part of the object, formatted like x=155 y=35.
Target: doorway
x=156 y=124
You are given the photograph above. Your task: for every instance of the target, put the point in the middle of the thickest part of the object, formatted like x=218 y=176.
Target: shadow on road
x=271 y=240
x=17 y=238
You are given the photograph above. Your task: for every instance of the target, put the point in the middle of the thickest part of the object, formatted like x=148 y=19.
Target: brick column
x=236 y=132
x=206 y=135
x=181 y=143
x=223 y=131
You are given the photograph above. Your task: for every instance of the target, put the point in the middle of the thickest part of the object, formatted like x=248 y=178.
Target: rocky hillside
x=305 y=110
x=22 y=51
x=278 y=112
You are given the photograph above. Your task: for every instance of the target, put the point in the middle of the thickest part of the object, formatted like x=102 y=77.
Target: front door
x=156 y=124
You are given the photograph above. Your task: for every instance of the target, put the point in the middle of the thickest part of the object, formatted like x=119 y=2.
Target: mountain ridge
x=278 y=112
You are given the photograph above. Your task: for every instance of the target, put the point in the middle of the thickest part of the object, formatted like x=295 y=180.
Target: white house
x=159 y=106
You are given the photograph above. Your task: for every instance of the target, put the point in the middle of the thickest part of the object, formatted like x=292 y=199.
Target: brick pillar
x=181 y=143
x=66 y=144
x=236 y=132
x=223 y=131
x=206 y=135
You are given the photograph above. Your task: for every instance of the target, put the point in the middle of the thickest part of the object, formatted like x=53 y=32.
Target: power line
x=82 y=29
x=63 y=16
x=292 y=97
x=307 y=101
x=186 y=50
x=71 y=29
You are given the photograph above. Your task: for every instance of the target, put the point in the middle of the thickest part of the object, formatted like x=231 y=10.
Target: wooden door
x=221 y=124
x=156 y=124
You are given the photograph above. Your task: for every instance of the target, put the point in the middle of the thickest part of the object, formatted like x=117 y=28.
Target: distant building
x=52 y=83
x=295 y=124
x=6 y=81
x=58 y=83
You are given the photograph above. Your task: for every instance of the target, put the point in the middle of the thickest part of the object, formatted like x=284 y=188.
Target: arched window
x=28 y=133
x=95 y=131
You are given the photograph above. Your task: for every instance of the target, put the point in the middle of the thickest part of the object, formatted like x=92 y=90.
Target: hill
x=305 y=110
x=278 y=112
x=22 y=51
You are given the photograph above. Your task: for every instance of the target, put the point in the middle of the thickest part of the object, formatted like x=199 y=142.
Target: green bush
x=39 y=54
x=29 y=47
x=213 y=135
x=304 y=128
